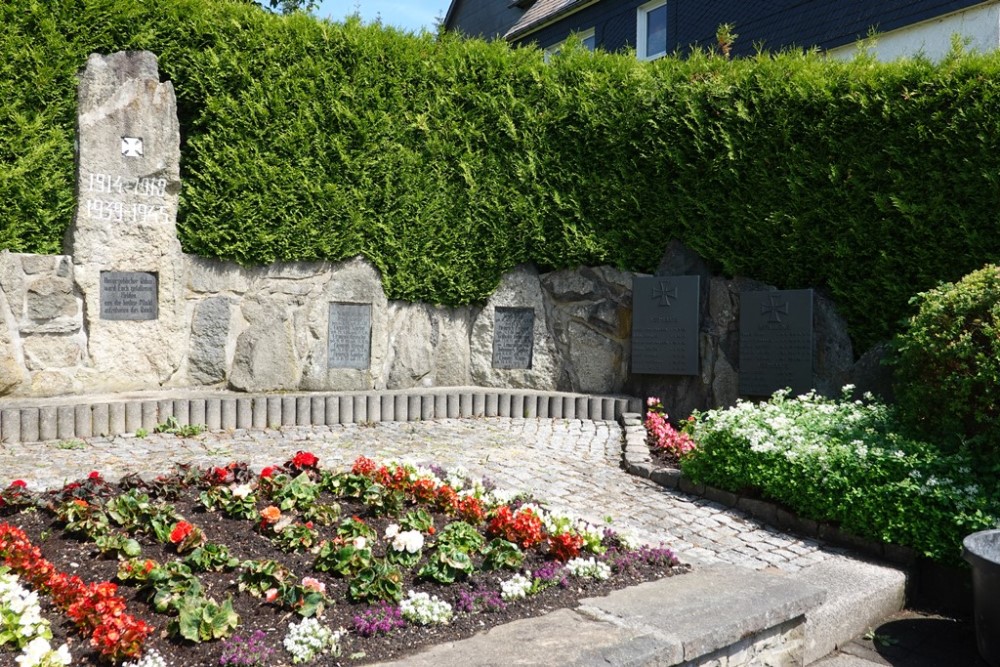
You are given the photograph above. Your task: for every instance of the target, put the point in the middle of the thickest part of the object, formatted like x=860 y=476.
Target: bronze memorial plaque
x=776 y=341
x=665 y=325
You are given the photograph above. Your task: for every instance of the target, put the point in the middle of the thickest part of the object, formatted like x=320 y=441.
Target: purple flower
x=378 y=620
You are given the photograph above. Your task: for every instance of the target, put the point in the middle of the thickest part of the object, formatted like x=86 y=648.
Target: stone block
x=332 y=410
x=360 y=410
x=213 y=414
x=244 y=413
x=150 y=414
x=413 y=407
x=261 y=413
x=83 y=421
x=229 y=414
x=116 y=419
x=209 y=337
x=401 y=408
x=10 y=425
x=317 y=410
x=288 y=410
x=303 y=411
x=133 y=416
x=50 y=298
x=101 y=419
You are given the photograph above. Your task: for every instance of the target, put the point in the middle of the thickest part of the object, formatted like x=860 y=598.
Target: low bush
x=846 y=462
x=948 y=363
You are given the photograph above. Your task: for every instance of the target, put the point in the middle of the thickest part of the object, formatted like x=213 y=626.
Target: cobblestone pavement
x=571 y=464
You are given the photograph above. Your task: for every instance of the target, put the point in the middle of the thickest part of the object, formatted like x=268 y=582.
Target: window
x=585 y=36
x=651 y=30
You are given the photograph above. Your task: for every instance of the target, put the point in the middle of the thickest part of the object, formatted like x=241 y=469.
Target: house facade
x=657 y=27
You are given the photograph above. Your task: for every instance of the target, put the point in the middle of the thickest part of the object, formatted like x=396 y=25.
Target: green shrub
x=948 y=362
x=844 y=461
x=446 y=162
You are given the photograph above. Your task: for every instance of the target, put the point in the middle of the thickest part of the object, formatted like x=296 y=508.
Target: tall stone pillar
x=128 y=261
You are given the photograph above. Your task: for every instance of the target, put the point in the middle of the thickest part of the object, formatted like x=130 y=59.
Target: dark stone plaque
x=513 y=337
x=776 y=341
x=129 y=295
x=665 y=325
x=349 y=342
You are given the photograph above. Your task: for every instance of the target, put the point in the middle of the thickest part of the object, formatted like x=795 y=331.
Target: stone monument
x=127 y=259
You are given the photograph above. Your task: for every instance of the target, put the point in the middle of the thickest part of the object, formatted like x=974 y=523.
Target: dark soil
x=75 y=556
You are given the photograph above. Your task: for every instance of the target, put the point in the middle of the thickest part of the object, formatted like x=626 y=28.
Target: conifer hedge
x=446 y=162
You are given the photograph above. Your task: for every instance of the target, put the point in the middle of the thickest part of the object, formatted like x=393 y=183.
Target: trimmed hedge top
x=446 y=161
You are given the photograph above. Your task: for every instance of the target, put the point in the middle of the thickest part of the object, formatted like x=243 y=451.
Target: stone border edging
x=636 y=460
x=63 y=419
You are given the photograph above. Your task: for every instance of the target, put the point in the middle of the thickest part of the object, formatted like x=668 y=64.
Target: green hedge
x=446 y=162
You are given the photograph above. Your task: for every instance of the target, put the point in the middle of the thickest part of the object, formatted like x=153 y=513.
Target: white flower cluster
x=149 y=659
x=424 y=609
x=515 y=587
x=21 y=620
x=310 y=638
x=588 y=568
x=410 y=541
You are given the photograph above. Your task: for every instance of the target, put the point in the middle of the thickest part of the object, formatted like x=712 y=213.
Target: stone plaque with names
x=665 y=325
x=513 y=337
x=349 y=341
x=776 y=341
x=128 y=295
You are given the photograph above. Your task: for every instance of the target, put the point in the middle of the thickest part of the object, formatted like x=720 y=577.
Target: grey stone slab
x=244 y=413
x=65 y=422
x=556 y=407
x=517 y=406
x=596 y=409
x=150 y=413
x=427 y=407
x=360 y=410
x=260 y=412
x=542 y=404
x=197 y=412
x=213 y=414
x=164 y=410
x=10 y=425
x=413 y=407
x=116 y=419
x=388 y=404
x=859 y=595
x=101 y=419
x=713 y=606
x=303 y=411
x=228 y=414
x=346 y=413
x=568 y=407
x=452 y=406
x=503 y=404
x=374 y=404
x=401 y=407
x=288 y=406
x=478 y=405
x=48 y=426
x=582 y=407
x=465 y=405
x=776 y=341
x=273 y=412
x=332 y=410
x=440 y=406
x=317 y=411
x=492 y=405
x=530 y=407
x=665 y=325
x=83 y=416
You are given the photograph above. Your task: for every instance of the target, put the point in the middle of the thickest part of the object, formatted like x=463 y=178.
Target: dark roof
x=544 y=11
x=772 y=23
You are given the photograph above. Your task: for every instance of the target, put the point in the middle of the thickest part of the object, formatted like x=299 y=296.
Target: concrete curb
x=64 y=418
x=715 y=615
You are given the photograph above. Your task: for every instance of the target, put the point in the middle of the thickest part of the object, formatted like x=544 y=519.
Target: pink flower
x=313 y=584
x=652 y=400
x=270 y=595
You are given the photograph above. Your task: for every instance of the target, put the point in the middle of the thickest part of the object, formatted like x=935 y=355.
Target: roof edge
x=518 y=33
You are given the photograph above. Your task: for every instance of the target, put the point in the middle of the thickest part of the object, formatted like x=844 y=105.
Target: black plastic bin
x=982 y=551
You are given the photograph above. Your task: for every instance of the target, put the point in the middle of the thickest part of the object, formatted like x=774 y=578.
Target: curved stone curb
x=636 y=460
x=40 y=420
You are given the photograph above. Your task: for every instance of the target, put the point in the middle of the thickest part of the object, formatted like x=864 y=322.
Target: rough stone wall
x=125 y=309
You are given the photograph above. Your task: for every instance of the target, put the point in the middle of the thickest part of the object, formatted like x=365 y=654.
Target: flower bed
x=294 y=564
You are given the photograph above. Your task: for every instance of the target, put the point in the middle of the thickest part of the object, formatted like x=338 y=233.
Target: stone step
x=715 y=615
x=65 y=418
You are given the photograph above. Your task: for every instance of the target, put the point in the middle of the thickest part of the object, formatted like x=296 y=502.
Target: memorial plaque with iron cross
x=776 y=341
x=665 y=325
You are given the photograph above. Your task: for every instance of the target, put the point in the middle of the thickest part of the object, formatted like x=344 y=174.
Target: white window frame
x=642 y=27
x=550 y=51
